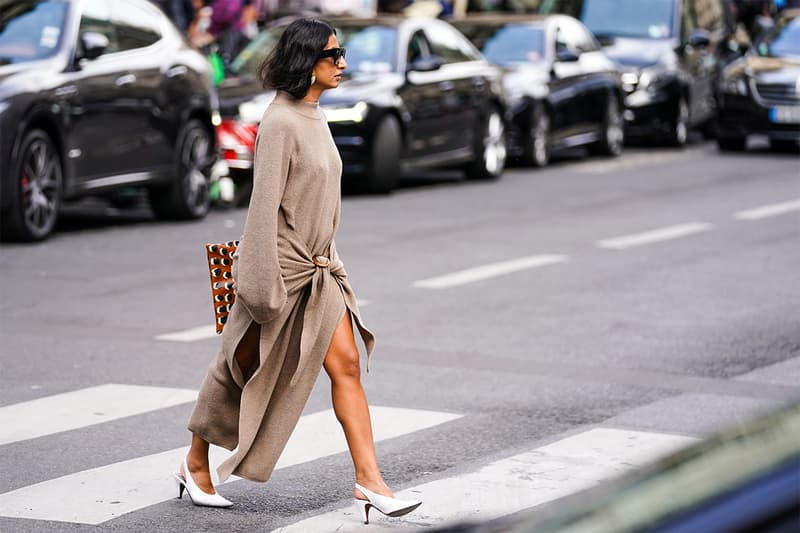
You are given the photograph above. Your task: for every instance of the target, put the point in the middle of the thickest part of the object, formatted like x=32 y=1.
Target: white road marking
x=208 y=331
x=768 y=210
x=100 y=494
x=190 y=335
x=491 y=270
x=84 y=407
x=657 y=235
x=514 y=484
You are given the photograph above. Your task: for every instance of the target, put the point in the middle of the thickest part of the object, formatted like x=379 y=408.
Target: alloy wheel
x=615 y=133
x=494 y=145
x=540 y=133
x=40 y=186
x=194 y=162
x=681 y=127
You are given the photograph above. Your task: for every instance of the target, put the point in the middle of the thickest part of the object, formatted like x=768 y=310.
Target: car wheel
x=491 y=152
x=187 y=197
x=613 y=133
x=732 y=144
x=679 y=129
x=37 y=185
x=384 y=159
x=537 y=147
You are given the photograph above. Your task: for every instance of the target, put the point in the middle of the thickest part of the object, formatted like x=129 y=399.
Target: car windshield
x=369 y=49
x=783 y=42
x=629 y=18
x=508 y=45
x=30 y=29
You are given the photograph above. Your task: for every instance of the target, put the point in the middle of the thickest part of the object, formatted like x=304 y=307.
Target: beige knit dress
x=290 y=280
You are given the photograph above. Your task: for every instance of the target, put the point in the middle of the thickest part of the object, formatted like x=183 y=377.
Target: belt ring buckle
x=322 y=261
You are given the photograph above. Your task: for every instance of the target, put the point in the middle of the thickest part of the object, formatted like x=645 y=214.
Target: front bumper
x=353 y=142
x=648 y=113
x=741 y=115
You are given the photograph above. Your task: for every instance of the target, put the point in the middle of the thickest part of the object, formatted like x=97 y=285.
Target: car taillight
x=236 y=141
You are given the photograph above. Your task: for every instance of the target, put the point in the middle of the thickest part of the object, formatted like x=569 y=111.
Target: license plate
x=785 y=114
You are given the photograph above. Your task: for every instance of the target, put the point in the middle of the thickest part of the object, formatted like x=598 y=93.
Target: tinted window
x=137 y=25
x=30 y=30
x=369 y=49
x=417 y=47
x=450 y=45
x=514 y=43
x=629 y=18
x=784 y=42
x=96 y=17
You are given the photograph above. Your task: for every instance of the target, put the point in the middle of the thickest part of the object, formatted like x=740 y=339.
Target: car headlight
x=735 y=86
x=356 y=113
x=650 y=78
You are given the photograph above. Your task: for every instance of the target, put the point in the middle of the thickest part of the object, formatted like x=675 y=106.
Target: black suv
x=97 y=96
x=669 y=53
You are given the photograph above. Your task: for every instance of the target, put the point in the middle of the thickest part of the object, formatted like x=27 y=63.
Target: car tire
x=187 y=197
x=613 y=133
x=36 y=198
x=384 y=158
x=490 y=150
x=678 y=133
x=537 y=144
x=732 y=144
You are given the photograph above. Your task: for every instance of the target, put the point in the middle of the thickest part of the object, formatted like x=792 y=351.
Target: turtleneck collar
x=307 y=109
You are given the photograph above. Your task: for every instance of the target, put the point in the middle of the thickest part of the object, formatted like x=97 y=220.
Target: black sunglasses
x=335 y=53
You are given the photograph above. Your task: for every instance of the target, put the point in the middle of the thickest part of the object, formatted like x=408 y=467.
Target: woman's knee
x=343 y=363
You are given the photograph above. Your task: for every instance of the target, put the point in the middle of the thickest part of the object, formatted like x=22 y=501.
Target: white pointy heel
x=196 y=494
x=389 y=506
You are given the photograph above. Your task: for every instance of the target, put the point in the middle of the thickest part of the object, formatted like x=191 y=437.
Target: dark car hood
x=638 y=53
x=766 y=69
x=374 y=88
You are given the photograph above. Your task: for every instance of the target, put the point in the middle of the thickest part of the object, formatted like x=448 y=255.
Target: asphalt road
x=643 y=295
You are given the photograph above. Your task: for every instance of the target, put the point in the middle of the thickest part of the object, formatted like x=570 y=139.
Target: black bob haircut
x=288 y=67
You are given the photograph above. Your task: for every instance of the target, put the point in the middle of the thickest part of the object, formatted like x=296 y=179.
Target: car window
x=30 y=31
x=450 y=45
x=370 y=49
x=137 y=25
x=629 y=18
x=511 y=44
x=96 y=17
x=784 y=41
x=417 y=47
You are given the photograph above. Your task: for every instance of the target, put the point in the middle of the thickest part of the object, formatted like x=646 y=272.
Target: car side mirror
x=699 y=38
x=93 y=44
x=425 y=64
x=565 y=55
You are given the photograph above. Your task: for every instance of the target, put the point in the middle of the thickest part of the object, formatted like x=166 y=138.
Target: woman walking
x=294 y=308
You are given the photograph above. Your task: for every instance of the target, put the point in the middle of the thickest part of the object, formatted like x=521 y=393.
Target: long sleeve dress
x=290 y=280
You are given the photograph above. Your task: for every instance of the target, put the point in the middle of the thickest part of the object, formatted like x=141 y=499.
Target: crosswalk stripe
x=100 y=494
x=84 y=407
x=209 y=331
x=513 y=484
x=771 y=210
x=479 y=273
x=657 y=235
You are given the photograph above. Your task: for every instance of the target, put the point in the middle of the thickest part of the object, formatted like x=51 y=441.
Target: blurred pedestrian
x=181 y=12
x=294 y=308
x=227 y=26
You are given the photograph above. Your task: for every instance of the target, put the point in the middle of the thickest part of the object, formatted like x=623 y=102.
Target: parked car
x=97 y=96
x=669 y=51
x=760 y=93
x=561 y=89
x=416 y=94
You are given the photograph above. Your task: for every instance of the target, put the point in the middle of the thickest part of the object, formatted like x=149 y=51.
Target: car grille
x=778 y=93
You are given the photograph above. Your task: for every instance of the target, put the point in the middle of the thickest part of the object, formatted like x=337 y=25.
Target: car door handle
x=447 y=85
x=125 y=80
x=178 y=70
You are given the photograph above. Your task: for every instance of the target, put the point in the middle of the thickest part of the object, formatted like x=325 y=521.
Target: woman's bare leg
x=247 y=357
x=350 y=406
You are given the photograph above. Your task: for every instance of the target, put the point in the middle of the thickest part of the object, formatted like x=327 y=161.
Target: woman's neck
x=312 y=96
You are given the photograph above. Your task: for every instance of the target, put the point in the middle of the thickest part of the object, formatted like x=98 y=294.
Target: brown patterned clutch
x=220 y=260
